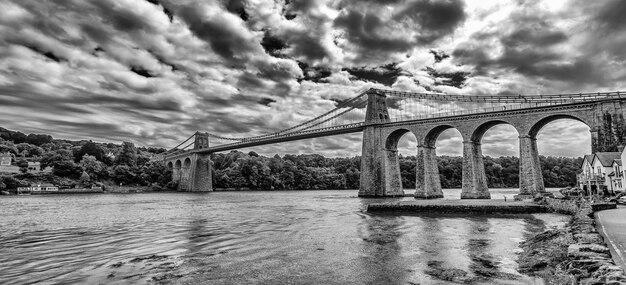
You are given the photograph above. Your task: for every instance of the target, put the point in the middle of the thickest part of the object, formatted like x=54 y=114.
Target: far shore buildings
x=602 y=170
x=38 y=188
x=6 y=165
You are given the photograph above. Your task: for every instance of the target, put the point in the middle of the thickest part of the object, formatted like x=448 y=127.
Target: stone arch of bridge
x=170 y=165
x=430 y=139
x=176 y=172
x=479 y=132
x=187 y=163
x=542 y=122
x=391 y=141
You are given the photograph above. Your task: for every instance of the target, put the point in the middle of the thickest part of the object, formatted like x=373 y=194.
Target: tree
x=38 y=139
x=29 y=150
x=128 y=155
x=156 y=172
x=84 y=178
x=10 y=148
x=124 y=174
x=95 y=169
x=23 y=165
x=89 y=148
x=66 y=168
x=11 y=183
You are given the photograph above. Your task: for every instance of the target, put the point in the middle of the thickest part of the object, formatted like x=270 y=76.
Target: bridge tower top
x=201 y=140
x=376 y=107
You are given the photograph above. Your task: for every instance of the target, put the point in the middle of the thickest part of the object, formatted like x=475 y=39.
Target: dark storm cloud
x=386 y=74
x=455 y=79
x=121 y=18
x=141 y=71
x=238 y=8
x=48 y=54
x=527 y=49
x=266 y=101
x=606 y=26
x=434 y=18
x=249 y=80
x=307 y=46
x=96 y=32
x=376 y=37
x=225 y=40
x=362 y=30
x=313 y=73
x=611 y=16
x=273 y=45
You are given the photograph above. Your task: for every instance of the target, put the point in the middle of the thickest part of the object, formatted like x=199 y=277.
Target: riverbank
x=576 y=254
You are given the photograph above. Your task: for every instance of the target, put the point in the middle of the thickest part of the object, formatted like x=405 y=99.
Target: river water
x=273 y=237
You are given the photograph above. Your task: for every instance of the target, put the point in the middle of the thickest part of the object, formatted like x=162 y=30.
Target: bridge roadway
x=358 y=127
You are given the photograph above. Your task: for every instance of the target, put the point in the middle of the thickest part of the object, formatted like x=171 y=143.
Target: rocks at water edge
x=574 y=255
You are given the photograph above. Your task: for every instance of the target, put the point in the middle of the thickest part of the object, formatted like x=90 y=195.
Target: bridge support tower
x=192 y=171
x=380 y=169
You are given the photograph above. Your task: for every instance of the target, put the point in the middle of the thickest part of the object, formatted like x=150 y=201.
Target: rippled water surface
x=295 y=237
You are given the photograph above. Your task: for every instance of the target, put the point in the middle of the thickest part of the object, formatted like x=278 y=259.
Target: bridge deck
x=358 y=127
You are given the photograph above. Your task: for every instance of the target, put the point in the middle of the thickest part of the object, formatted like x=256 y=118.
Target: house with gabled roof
x=596 y=170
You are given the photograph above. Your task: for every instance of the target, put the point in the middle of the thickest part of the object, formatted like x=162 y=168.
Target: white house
x=596 y=172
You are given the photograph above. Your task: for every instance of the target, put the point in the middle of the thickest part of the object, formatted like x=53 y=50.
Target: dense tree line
x=82 y=163
x=85 y=162
x=313 y=171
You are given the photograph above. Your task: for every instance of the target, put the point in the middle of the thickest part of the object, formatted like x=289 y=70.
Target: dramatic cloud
x=155 y=71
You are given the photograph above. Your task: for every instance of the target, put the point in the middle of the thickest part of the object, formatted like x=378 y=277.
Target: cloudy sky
x=155 y=71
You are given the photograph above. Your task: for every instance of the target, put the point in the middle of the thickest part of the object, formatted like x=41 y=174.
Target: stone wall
x=588 y=259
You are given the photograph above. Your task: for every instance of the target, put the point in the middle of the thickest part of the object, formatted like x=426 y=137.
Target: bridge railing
x=486 y=109
x=292 y=134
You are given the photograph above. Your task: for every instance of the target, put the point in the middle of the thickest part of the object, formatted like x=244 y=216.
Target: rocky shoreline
x=575 y=254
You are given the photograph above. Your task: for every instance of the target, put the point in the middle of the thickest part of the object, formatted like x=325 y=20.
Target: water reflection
x=382 y=262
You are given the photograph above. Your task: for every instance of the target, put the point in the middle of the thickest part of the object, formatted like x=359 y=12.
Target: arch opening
x=448 y=144
x=402 y=143
x=178 y=164
x=391 y=143
x=538 y=126
x=170 y=165
x=562 y=143
x=499 y=146
x=187 y=163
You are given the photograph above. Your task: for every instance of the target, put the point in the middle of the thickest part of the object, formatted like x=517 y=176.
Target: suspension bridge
x=384 y=116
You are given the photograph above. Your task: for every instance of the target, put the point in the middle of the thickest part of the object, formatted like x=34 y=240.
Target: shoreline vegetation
x=85 y=163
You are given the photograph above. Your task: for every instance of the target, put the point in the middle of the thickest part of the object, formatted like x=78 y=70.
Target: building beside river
x=38 y=188
x=602 y=170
